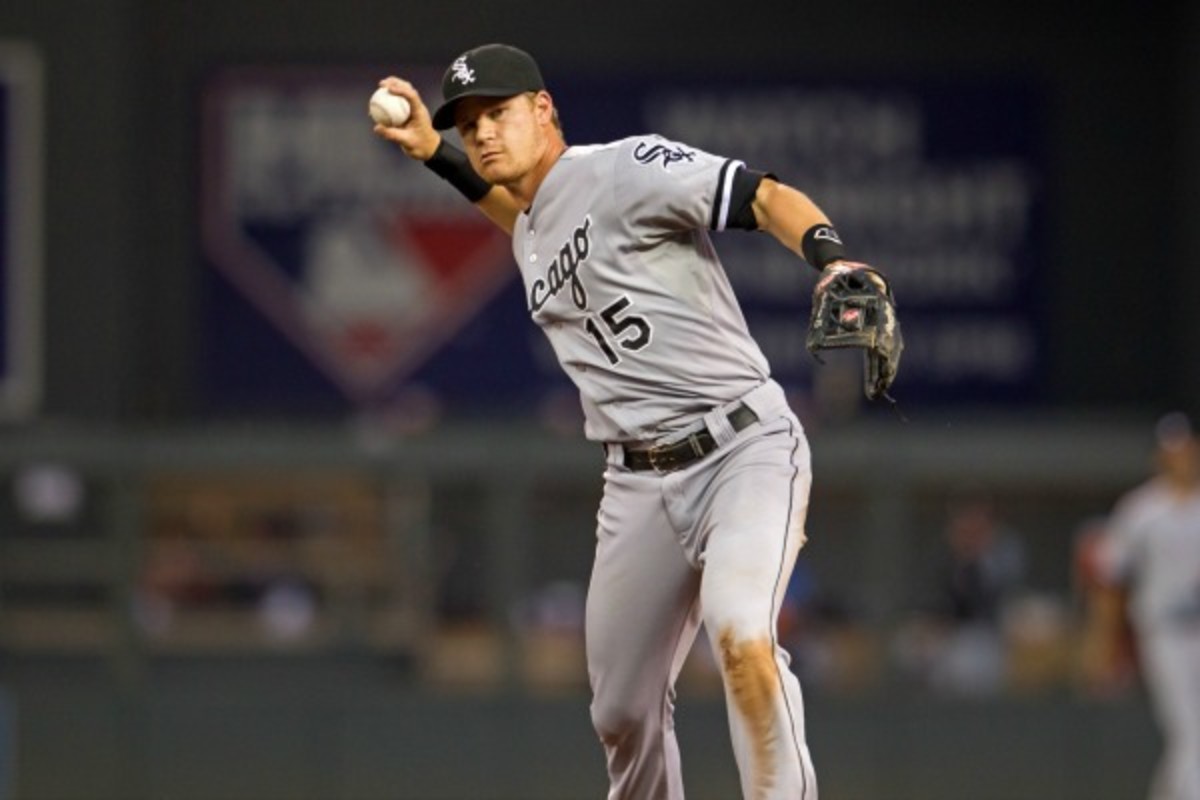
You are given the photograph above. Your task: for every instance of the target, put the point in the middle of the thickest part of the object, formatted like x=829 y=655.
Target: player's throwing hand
x=416 y=137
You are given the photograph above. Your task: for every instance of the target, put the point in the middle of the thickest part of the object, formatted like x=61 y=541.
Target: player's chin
x=495 y=170
x=492 y=176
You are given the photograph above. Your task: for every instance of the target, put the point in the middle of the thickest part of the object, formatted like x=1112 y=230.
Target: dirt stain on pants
x=751 y=679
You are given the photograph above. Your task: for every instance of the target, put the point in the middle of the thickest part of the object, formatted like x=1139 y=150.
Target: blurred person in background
x=984 y=565
x=1107 y=664
x=956 y=645
x=1152 y=546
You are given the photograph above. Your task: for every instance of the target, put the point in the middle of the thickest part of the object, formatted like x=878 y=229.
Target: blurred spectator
x=797 y=612
x=1107 y=655
x=830 y=647
x=957 y=644
x=984 y=564
x=174 y=575
x=187 y=569
x=1153 y=547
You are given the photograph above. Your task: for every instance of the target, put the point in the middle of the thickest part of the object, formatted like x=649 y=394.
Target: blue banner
x=348 y=277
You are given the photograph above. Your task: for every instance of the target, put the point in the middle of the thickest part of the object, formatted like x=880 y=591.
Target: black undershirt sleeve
x=741 y=198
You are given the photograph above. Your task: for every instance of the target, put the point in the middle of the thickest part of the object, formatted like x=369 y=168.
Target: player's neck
x=1182 y=483
x=524 y=189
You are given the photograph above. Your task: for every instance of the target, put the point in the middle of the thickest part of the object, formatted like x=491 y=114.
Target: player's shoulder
x=640 y=144
x=1143 y=503
x=640 y=150
x=651 y=158
x=644 y=148
x=654 y=148
x=579 y=159
x=579 y=152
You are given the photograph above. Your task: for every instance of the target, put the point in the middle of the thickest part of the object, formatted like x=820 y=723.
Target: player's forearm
x=496 y=202
x=786 y=213
x=500 y=207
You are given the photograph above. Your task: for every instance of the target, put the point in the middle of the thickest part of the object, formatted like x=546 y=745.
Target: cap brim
x=443 y=118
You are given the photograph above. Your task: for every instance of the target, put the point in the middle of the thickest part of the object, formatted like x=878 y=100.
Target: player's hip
x=761 y=412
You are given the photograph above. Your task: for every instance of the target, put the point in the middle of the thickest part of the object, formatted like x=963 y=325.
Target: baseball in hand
x=389 y=109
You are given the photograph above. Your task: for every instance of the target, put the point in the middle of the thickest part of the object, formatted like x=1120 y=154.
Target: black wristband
x=451 y=164
x=821 y=245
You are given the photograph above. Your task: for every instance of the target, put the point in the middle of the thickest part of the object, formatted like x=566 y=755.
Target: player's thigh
x=755 y=519
x=642 y=587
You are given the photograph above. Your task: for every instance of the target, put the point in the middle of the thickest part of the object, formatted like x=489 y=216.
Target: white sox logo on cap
x=490 y=70
x=461 y=72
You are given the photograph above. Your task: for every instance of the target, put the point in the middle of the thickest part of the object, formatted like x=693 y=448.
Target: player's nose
x=484 y=132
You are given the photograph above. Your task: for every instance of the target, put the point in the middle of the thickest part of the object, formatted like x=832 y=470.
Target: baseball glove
x=853 y=306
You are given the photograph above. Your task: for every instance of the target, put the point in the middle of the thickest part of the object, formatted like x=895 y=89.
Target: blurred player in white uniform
x=1153 y=546
x=707 y=476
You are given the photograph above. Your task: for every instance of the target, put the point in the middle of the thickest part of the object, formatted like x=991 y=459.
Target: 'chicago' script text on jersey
x=564 y=270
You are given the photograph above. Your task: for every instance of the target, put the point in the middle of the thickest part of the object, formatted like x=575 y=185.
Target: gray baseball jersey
x=1155 y=539
x=621 y=275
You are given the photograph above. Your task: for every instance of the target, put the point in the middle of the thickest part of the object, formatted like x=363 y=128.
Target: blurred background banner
x=20 y=227
x=937 y=181
x=355 y=278
x=345 y=250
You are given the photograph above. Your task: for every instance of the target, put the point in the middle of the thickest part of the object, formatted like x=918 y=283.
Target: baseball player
x=1152 y=545
x=707 y=469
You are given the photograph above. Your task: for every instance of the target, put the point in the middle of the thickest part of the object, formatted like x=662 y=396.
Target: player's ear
x=543 y=107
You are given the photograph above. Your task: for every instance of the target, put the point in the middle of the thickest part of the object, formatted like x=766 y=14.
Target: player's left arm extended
x=786 y=213
x=853 y=305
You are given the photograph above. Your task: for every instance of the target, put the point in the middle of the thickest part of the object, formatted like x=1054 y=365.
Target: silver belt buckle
x=672 y=462
x=657 y=452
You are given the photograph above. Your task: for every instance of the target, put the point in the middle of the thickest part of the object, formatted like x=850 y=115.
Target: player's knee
x=739 y=631
x=749 y=669
x=616 y=723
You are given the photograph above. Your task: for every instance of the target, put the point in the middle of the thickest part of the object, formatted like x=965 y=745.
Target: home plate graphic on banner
x=366 y=262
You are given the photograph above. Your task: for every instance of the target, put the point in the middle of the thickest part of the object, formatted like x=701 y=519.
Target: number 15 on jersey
x=626 y=331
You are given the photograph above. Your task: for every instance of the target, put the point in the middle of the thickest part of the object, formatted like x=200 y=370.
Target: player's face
x=503 y=136
x=1181 y=460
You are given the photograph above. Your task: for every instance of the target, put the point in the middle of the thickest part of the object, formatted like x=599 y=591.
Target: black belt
x=670 y=457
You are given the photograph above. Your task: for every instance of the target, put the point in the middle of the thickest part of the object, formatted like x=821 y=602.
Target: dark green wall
x=314 y=729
